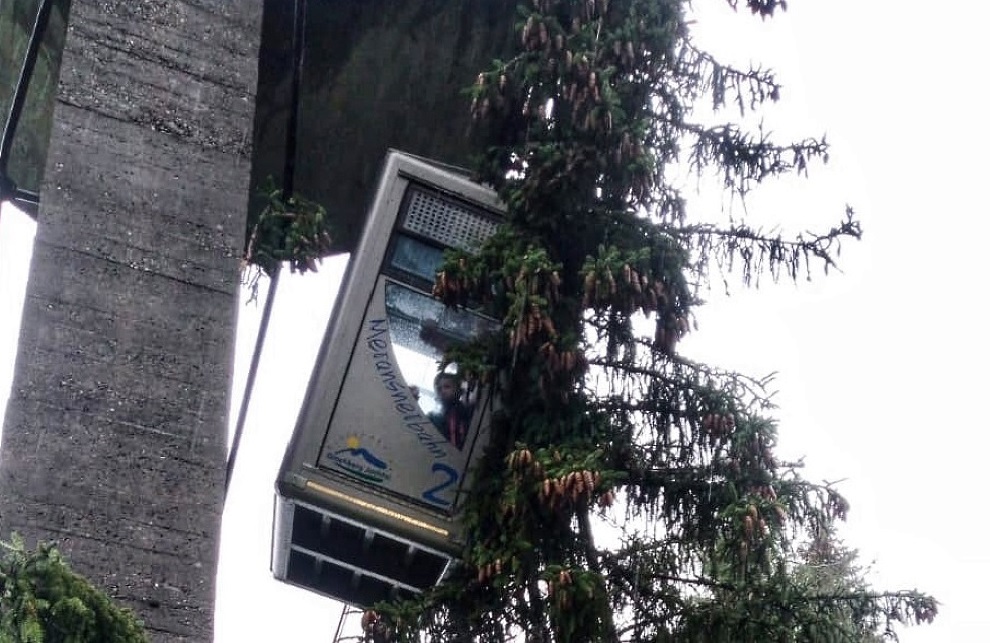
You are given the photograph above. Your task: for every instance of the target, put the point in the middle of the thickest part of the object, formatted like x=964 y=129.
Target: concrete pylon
x=114 y=441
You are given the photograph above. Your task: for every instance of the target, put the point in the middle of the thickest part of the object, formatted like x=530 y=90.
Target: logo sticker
x=360 y=462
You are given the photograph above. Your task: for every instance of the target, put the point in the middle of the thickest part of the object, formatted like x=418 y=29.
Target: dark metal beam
x=23 y=199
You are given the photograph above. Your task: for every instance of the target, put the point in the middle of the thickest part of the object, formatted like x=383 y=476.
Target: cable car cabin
x=367 y=498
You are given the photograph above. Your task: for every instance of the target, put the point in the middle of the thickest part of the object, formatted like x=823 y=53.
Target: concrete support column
x=114 y=443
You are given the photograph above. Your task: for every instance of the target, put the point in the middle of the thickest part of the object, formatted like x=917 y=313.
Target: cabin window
x=421 y=328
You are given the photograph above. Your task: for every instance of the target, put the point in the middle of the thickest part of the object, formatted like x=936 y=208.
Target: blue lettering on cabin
x=402 y=399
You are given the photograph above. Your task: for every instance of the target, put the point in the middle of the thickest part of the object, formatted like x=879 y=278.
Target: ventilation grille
x=357 y=564
x=446 y=221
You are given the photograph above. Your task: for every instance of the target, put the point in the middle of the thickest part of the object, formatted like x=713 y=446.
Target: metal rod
x=340 y=625
x=298 y=53
x=26 y=201
x=339 y=635
x=259 y=345
x=288 y=181
x=23 y=81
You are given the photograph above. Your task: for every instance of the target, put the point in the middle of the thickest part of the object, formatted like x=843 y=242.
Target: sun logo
x=353 y=442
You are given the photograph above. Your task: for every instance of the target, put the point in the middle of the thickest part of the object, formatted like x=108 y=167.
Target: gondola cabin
x=367 y=497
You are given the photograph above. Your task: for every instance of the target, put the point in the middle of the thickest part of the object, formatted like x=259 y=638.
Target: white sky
x=881 y=369
x=16 y=240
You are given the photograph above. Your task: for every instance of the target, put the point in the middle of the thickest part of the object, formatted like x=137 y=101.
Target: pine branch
x=716 y=79
x=761 y=253
x=745 y=160
x=762 y=8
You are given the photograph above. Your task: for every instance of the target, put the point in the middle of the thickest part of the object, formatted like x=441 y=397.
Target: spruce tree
x=43 y=601
x=630 y=493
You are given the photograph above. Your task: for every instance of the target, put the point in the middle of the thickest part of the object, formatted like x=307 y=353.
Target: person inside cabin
x=454 y=416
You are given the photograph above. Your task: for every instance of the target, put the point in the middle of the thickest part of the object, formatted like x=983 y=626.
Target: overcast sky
x=880 y=369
